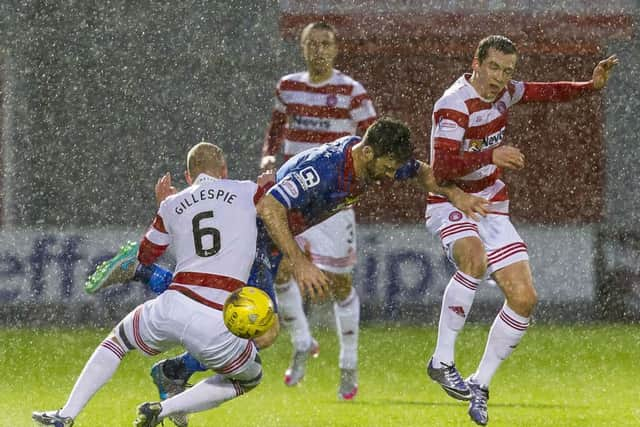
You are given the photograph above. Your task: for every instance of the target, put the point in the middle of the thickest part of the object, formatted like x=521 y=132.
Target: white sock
x=347 y=313
x=505 y=334
x=206 y=394
x=456 y=303
x=292 y=315
x=99 y=369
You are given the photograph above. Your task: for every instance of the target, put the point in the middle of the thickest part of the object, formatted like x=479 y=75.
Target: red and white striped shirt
x=466 y=129
x=307 y=114
x=212 y=227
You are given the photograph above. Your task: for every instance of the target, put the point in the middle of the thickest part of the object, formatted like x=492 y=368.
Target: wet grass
x=559 y=376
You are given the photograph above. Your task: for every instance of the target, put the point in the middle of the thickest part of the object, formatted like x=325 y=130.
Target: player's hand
x=603 y=70
x=472 y=206
x=508 y=157
x=265 y=178
x=311 y=280
x=164 y=188
x=267 y=163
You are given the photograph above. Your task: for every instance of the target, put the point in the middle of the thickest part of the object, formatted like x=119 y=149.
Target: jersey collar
x=203 y=177
x=349 y=181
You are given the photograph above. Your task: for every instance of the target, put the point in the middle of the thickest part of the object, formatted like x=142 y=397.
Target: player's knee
x=470 y=257
x=341 y=285
x=285 y=273
x=269 y=337
x=523 y=300
x=250 y=384
x=116 y=345
x=474 y=264
x=254 y=378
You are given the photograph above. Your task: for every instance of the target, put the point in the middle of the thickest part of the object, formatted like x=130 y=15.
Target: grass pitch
x=559 y=376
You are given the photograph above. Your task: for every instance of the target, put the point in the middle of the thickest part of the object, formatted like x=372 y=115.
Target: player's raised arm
x=308 y=276
x=164 y=188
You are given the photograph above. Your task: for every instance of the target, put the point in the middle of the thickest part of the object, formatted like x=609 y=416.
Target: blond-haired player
x=212 y=227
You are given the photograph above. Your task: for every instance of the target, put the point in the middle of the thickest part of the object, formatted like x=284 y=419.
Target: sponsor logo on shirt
x=447 y=125
x=309 y=177
x=494 y=138
x=486 y=142
x=289 y=187
x=476 y=144
x=309 y=123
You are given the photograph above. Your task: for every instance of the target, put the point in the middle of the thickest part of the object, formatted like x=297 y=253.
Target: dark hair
x=320 y=25
x=499 y=43
x=387 y=136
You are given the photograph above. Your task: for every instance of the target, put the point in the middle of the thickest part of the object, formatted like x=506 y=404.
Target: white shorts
x=332 y=242
x=172 y=319
x=501 y=241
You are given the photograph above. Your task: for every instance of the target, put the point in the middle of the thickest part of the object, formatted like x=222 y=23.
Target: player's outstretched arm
x=470 y=205
x=602 y=71
x=309 y=277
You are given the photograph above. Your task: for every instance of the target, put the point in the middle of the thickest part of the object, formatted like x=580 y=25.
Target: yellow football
x=248 y=312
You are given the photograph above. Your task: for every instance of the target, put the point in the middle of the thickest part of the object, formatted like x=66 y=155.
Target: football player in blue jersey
x=309 y=188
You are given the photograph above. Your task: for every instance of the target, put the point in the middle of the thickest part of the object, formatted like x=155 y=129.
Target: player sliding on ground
x=468 y=148
x=215 y=245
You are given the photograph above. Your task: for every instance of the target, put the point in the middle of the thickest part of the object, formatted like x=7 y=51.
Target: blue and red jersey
x=317 y=183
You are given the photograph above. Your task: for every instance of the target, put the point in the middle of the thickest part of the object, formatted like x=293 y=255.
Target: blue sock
x=181 y=367
x=157 y=278
x=191 y=364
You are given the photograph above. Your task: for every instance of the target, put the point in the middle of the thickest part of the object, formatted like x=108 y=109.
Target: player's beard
x=372 y=175
x=320 y=66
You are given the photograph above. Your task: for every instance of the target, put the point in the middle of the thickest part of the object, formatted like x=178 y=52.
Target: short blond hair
x=205 y=157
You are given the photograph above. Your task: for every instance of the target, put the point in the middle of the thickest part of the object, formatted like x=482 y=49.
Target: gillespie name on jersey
x=194 y=198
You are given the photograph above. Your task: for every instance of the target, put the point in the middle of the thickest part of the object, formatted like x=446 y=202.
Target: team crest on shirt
x=332 y=100
x=455 y=216
x=501 y=106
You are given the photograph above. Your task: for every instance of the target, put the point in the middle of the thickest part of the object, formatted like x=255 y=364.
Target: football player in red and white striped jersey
x=315 y=107
x=212 y=226
x=468 y=147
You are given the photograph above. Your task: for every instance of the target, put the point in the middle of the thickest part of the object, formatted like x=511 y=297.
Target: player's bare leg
x=292 y=314
x=507 y=330
x=471 y=259
x=347 y=314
